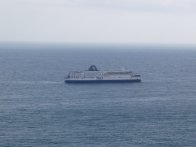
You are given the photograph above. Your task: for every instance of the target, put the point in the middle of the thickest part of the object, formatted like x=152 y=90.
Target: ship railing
x=138 y=77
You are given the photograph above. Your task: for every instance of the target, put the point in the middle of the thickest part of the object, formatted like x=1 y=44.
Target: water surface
x=38 y=109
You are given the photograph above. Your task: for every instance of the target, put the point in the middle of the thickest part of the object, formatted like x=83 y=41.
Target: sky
x=98 y=21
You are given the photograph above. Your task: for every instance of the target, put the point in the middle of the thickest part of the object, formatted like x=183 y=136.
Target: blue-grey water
x=38 y=109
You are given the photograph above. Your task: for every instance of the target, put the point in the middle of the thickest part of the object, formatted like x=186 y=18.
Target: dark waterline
x=38 y=109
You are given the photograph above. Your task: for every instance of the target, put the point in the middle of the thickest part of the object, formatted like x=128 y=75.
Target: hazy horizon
x=93 y=46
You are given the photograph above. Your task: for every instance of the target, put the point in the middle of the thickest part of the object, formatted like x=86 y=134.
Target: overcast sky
x=98 y=21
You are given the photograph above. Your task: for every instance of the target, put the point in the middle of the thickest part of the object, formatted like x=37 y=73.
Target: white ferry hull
x=93 y=75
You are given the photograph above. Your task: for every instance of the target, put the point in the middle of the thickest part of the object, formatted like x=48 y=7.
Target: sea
x=37 y=109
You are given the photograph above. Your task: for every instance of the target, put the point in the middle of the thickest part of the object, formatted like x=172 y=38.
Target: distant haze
x=98 y=21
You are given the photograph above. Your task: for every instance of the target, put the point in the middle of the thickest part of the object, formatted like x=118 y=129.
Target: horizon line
x=95 y=45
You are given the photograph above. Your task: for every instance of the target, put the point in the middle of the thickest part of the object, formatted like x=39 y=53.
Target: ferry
x=93 y=75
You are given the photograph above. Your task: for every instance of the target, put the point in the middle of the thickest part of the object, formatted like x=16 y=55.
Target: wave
x=31 y=82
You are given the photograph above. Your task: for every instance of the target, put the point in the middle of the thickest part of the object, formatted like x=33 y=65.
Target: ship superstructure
x=93 y=75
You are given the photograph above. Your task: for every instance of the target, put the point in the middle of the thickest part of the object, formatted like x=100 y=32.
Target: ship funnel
x=92 y=68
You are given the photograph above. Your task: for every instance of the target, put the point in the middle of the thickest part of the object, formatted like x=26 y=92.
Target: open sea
x=37 y=109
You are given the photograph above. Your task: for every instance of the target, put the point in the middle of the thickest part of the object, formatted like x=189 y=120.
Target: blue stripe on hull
x=102 y=81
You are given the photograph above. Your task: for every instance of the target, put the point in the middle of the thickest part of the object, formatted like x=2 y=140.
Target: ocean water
x=38 y=109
